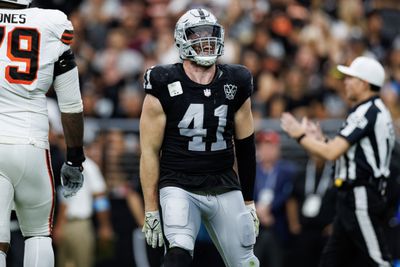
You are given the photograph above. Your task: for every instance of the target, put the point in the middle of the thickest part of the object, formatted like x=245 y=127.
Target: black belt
x=378 y=184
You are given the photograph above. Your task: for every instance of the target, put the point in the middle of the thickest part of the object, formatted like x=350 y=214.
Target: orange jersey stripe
x=64 y=36
x=68 y=42
x=67 y=38
x=51 y=177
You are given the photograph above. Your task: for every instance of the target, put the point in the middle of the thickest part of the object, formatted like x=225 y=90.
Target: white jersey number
x=23 y=50
x=195 y=113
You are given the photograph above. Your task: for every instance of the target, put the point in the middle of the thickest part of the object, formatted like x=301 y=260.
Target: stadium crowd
x=292 y=48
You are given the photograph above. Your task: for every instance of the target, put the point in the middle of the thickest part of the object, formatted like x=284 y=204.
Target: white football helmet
x=18 y=2
x=199 y=37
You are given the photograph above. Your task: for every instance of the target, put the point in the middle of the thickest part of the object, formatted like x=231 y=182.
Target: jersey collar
x=372 y=98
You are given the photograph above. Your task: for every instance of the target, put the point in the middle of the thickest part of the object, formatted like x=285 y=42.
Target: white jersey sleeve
x=61 y=27
x=31 y=41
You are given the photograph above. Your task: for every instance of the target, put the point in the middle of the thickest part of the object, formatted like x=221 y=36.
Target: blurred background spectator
x=273 y=187
x=311 y=210
x=74 y=233
x=290 y=46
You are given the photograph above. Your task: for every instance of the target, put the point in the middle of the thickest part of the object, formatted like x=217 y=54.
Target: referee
x=362 y=150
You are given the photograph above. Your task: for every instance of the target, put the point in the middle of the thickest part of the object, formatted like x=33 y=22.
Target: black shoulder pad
x=163 y=73
x=158 y=76
x=65 y=63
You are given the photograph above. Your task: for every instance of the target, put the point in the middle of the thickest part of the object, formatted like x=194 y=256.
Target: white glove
x=71 y=179
x=152 y=229
x=252 y=209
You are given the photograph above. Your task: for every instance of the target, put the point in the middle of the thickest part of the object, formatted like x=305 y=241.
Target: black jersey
x=198 y=138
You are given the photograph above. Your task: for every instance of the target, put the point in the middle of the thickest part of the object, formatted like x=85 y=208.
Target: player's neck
x=199 y=74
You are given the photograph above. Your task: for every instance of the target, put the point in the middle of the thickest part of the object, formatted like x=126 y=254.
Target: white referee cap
x=366 y=69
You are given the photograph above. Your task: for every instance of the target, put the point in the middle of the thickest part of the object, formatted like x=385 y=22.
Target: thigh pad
x=246 y=229
x=176 y=212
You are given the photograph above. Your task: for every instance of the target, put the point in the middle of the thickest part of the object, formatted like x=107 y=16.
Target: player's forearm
x=149 y=176
x=73 y=128
x=73 y=133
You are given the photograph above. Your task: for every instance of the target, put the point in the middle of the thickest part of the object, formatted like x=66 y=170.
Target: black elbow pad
x=65 y=63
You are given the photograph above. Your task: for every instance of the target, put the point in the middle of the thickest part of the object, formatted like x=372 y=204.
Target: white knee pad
x=182 y=241
x=250 y=262
x=38 y=252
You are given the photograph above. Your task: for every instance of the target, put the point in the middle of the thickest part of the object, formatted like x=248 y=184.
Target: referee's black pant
x=357 y=239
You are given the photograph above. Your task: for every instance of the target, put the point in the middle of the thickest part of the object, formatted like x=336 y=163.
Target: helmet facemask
x=201 y=41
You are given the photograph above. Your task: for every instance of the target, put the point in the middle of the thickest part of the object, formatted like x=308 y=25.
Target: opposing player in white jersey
x=35 y=53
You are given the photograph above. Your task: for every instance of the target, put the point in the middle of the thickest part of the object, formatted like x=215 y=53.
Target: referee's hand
x=293 y=127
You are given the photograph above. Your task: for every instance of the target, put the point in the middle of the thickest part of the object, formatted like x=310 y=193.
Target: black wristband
x=75 y=156
x=298 y=139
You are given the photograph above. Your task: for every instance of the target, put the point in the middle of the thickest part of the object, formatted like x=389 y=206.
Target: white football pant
x=26 y=179
x=228 y=222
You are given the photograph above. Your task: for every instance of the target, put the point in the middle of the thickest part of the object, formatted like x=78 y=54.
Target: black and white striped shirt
x=369 y=130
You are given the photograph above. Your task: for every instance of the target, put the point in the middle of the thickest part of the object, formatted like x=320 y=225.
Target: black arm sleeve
x=246 y=162
x=66 y=62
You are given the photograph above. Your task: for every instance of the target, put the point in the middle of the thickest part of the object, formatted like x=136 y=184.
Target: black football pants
x=357 y=238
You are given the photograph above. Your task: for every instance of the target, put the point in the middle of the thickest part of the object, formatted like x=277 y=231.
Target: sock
x=38 y=252
x=2 y=259
x=177 y=257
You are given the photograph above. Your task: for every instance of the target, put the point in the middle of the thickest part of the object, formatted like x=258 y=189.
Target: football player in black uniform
x=195 y=113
